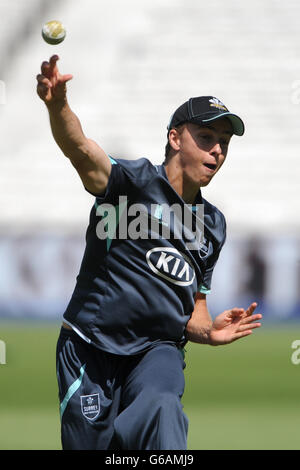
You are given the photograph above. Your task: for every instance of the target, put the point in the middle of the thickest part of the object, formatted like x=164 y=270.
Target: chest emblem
x=171 y=265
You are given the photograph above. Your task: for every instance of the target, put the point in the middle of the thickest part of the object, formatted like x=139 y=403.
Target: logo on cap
x=217 y=104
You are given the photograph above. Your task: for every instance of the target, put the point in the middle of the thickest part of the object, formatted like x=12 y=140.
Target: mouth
x=211 y=166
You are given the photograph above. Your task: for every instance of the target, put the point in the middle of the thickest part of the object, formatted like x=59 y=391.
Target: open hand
x=51 y=85
x=234 y=324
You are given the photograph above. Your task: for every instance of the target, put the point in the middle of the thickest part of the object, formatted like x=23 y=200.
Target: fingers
x=251 y=309
x=48 y=69
x=239 y=312
x=247 y=327
x=53 y=59
x=236 y=312
x=242 y=335
x=42 y=80
x=245 y=324
x=253 y=318
x=43 y=86
x=249 y=323
x=51 y=84
x=245 y=330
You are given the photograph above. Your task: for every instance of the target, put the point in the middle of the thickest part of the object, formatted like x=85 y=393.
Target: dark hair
x=168 y=148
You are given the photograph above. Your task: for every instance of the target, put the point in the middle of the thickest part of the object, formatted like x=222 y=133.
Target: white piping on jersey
x=77 y=331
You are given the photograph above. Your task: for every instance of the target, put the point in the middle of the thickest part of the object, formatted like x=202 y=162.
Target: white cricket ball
x=53 y=32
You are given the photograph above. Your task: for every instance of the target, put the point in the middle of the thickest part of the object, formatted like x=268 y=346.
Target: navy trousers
x=117 y=402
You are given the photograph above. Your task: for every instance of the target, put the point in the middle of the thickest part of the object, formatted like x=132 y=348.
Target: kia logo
x=171 y=265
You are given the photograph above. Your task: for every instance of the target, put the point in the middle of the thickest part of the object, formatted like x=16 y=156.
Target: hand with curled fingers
x=51 y=86
x=234 y=324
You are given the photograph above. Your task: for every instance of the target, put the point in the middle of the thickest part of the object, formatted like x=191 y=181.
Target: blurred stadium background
x=134 y=63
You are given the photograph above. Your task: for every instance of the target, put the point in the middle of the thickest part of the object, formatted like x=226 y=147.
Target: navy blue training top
x=133 y=292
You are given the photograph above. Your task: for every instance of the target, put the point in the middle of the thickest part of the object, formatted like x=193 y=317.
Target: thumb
x=66 y=78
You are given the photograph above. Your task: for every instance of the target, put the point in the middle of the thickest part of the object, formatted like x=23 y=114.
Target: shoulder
x=140 y=168
x=215 y=221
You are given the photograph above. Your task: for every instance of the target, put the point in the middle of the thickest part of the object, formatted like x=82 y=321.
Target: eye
x=206 y=137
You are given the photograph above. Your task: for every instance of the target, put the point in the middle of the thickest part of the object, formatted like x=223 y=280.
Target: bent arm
x=227 y=327
x=199 y=325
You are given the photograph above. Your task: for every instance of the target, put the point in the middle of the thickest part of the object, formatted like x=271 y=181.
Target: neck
x=181 y=184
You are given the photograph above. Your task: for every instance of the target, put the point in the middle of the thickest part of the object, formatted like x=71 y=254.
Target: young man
x=139 y=299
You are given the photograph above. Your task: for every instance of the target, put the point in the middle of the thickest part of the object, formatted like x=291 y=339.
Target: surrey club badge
x=90 y=405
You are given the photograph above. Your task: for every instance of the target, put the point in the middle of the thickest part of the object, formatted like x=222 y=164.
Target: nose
x=216 y=150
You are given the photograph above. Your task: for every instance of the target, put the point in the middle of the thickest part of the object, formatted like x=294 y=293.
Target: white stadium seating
x=133 y=64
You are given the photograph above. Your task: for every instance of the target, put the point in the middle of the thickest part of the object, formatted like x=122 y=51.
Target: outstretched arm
x=90 y=161
x=227 y=327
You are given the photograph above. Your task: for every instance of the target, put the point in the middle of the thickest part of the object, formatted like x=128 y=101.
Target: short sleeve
x=124 y=175
x=205 y=287
x=115 y=181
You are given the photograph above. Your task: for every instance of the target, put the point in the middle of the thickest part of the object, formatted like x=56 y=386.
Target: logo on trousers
x=90 y=405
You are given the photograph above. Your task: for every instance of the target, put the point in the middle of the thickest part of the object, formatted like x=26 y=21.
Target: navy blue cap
x=204 y=109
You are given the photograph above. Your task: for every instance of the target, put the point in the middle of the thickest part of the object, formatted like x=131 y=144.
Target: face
x=202 y=150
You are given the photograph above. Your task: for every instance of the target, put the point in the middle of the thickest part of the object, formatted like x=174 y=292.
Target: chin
x=205 y=182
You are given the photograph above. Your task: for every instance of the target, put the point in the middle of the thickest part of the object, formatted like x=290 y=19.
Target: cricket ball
x=53 y=32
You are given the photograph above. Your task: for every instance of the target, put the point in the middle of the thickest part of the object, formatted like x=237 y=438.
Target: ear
x=174 y=139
